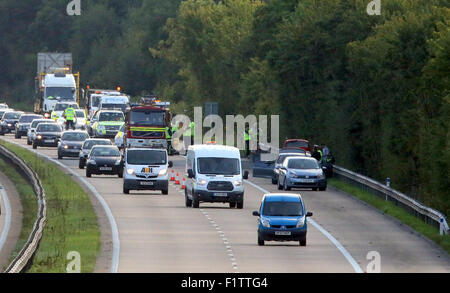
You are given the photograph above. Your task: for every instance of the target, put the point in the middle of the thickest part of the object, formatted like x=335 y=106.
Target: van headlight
x=237 y=183
x=301 y=222
x=162 y=172
x=130 y=171
x=265 y=223
x=201 y=182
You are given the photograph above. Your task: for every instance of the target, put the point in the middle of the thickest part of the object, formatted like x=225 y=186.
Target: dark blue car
x=282 y=217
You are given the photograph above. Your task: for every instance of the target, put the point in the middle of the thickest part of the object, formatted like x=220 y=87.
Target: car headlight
x=320 y=176
x=118 y=162
x=39 y=136
x=162 y=172
x=201 y=182
x=92 y=162
x=101 y=127
x=130 y=171
x=292 y=175
x=301 y=222
x=66 y=147
x=237 y=183
x=9 y=124
x=265 y=223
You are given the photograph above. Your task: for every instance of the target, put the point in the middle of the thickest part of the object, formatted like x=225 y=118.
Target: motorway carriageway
x=158 y=234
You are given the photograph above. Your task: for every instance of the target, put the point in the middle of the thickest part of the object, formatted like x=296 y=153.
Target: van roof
x=205 y=150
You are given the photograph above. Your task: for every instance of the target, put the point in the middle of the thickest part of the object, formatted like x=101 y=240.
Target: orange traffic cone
x=172 y=178
x=183 y=186
x=177 y=179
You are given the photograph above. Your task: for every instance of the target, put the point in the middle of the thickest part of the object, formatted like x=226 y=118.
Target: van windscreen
x=146 y=157
x=222 y=166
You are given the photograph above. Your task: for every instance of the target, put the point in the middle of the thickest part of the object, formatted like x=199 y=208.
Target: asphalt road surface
x=158 y=234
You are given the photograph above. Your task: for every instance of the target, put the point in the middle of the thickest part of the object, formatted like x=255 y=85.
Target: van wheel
x=195 y=204
x=303 y=242
x=240 y=205
x=232 y=204
x=188 y=201
x=165 y=191
x=126 y=190
x=260 y=241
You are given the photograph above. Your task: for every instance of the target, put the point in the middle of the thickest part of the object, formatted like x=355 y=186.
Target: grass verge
x=71 y=220
x=28 y=201
x=391 y=209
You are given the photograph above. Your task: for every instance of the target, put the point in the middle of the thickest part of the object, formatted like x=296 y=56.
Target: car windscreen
x=147 y=118
x=282 y=209
x=28 y=119
x=121 y=107
x=284 y=156
x=12 y=115
x=80 y=114
x=89 y=144
x=145 y=157
x=223 y=166
x=105 y=152
x=63 y=93
x=36 y=122
x=61 y=107
x=303 y=164
x=296 y=144
x=72 y=136
x=111 y=116
x=48 y=127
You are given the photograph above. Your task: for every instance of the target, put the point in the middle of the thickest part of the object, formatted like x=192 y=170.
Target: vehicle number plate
x=49 y=140
x=307 y=180
x=283 y=233
x=220 y=194
x=105 y=168
x=146 y=182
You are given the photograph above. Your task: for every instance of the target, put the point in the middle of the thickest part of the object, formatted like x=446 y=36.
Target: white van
x=146 y=169
x=214 y=175
x=114 y=103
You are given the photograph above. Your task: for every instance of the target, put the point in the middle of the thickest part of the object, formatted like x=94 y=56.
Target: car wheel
x=240 y=205
x=279 y=185
x=260 y=241
x=165 y=191
x=59 y=157
x=28 y=142
x=232 y=204
x=88 y=174
x=303 y=242
x=16 y=135
x=314 y=189
x=120 y=174
x=285 y=187
x=34 y=146
x=195 y=204
x=274 y=181
x=81 y=165
x=187 y=200
x=322 y=188
x=2 y=133
x=126 y=190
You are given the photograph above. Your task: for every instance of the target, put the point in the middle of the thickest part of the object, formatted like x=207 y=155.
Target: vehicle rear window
x=225 y=166
x=296 y=144
x=145 y=157
x=282 y=209
x=72 y=136
x=147 y=118
x=302 y=164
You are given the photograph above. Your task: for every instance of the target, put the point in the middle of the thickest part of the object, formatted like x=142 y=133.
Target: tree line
x=375 y=89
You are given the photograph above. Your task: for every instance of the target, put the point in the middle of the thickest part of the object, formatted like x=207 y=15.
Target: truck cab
x=58 y=87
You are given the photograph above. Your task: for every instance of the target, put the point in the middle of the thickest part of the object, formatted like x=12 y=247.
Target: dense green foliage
x=373 y=88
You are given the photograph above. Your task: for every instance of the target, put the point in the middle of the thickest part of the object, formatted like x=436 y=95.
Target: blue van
x=282 y=217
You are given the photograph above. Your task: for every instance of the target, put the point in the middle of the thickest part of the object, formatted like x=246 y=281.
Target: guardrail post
x=388 y=184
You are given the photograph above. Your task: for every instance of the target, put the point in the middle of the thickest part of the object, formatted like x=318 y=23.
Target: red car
x=296 y=143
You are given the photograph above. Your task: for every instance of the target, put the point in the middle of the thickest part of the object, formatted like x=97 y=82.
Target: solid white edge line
x=7 y=214
x=112 y=221
x=333 y=240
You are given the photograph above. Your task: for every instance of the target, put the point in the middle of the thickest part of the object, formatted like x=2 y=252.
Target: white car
x=146 y=169
x=60 y=107
x=80 y=121
x=214 y=175
x=32 y=130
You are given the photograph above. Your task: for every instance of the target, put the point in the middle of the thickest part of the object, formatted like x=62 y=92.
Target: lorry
x=146 y=124
x=55 y=81
x=93 y=97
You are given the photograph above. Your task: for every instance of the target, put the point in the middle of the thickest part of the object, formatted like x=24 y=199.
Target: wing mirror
x=256 y=214
x=309 y=214
x=245 y=176
x=170 y=164
x=190 y=173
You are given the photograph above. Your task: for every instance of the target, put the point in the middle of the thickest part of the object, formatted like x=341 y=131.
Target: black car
x=9 y=121
x=86 y=148
x=104 y=160
x=71 y=142
x=25 y=123
x=47 y=134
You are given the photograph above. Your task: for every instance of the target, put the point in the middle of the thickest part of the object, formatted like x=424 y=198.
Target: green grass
x=71 y=220
x=391 y=209
x=29 y=205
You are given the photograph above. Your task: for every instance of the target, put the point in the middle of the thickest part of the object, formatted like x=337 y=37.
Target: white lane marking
x=333 y=240
x=112 y=221
x=7 y=214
